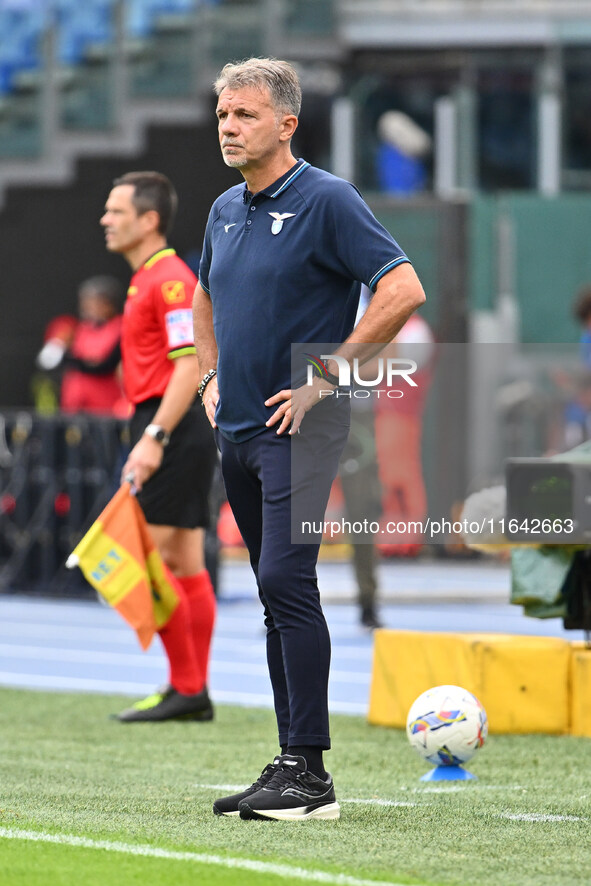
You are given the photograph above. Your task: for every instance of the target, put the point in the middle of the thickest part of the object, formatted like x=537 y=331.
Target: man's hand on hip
x=211 y=396
x=293 y=404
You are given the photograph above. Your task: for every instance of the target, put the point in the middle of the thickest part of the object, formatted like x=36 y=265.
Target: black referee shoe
x=171 y=705
x=229 y=805
x=292 y=794
x=370 y=619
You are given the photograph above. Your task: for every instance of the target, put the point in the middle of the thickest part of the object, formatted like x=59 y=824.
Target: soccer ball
x=446 y=725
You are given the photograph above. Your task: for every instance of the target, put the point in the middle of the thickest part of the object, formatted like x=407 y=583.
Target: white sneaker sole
x=323 y=813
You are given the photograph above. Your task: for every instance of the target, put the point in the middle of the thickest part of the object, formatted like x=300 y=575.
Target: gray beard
x=235 y=162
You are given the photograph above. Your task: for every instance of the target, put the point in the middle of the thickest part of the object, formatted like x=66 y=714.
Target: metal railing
x=56 y=475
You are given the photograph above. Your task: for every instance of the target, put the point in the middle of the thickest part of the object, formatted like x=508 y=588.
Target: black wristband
x=205 y=381
x=332 y=379
x=327 y=376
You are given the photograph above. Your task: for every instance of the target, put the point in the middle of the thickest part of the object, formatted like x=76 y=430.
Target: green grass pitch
x=85 y=800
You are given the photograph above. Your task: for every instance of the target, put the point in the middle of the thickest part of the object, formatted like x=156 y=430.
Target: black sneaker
x=292 y=794
x=169 y=705
x=369 y=619
x=229 y=805
x=151 y=700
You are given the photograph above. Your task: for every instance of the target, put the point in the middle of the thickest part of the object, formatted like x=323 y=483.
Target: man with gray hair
x=283 y=259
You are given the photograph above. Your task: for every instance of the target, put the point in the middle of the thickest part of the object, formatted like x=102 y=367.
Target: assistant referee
x=173 y=451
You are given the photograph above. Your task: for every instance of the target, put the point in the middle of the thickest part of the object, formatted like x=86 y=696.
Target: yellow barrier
x=580 y=680
x=523 y=682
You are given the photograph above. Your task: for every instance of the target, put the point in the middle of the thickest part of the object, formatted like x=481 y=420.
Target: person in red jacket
x=173 y=453
x=91 y=381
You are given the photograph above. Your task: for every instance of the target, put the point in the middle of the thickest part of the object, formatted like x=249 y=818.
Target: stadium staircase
x=89 y=89
x=88 y=78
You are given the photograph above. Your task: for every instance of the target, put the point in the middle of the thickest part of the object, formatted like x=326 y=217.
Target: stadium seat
x=142 y=15
x=20 y=32
x=82 y=25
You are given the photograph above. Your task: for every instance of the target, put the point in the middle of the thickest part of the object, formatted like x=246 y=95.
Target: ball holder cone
x=448 y=773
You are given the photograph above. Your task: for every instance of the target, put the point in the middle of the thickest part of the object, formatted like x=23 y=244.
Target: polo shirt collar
x=279 y=186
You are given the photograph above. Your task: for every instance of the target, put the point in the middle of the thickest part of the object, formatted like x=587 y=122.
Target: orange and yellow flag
x=120 y=560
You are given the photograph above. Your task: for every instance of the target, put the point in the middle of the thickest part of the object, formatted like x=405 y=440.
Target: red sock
x=202 y=606
x=185 y=673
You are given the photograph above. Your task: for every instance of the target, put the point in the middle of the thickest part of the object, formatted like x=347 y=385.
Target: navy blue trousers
x=258 y=478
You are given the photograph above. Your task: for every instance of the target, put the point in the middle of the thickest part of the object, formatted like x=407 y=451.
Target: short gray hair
x=279 y=77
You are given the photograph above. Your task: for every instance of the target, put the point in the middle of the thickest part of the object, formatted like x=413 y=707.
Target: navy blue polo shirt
x=281 y=267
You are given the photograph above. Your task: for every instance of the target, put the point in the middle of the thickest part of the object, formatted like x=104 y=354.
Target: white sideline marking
x=374 y=801
x=538 y=816
x=468 y=785
x=377 y=802
x=500 y=787
x=259 y=867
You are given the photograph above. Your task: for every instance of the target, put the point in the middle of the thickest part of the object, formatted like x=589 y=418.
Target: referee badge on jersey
x=173 y=291
x=278 y=219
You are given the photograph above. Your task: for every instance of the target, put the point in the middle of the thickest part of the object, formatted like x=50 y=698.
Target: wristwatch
x=157 y=432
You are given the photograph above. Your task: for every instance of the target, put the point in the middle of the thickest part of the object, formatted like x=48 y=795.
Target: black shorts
x=178 y=493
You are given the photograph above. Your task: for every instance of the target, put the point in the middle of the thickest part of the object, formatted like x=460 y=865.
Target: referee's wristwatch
x=158 y=433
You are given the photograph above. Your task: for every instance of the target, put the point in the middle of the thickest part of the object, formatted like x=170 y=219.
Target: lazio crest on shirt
x=278 y=219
